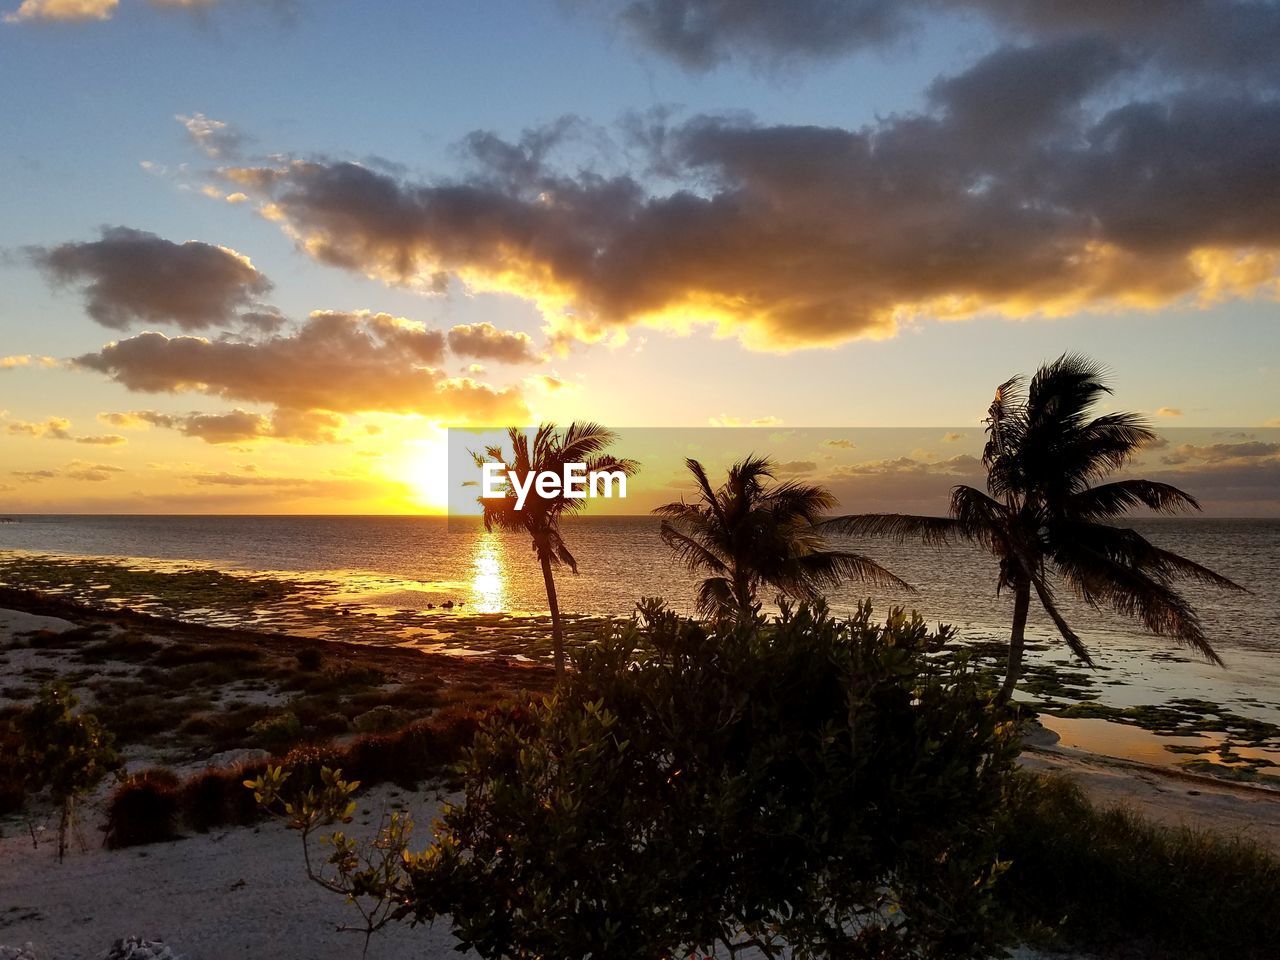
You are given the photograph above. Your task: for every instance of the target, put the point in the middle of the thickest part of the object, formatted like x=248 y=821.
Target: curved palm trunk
x=1021 y=605
x=743 y=595
x=557 y=636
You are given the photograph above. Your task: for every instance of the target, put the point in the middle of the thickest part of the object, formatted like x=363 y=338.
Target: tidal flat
x=1148 y=702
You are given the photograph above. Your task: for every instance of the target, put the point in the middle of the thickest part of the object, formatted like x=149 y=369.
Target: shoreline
x=1142 y=702
x=210 y=894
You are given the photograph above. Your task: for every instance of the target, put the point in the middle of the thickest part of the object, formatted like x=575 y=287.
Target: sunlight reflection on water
x=488 y=585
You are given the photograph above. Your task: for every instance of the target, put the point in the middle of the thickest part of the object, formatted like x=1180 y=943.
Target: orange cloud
x=335 y=362
x=55 y=10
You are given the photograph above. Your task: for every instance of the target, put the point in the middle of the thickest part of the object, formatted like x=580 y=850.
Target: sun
x=424 y=470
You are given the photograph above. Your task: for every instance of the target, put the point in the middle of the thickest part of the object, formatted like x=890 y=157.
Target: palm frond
x=1076 y=645
x=896 y=526
x=1115 y=499
x=1133 y=593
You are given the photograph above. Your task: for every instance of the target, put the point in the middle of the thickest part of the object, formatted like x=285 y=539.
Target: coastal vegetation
x=1045 y=510
x=752 y=532
x=549 y=451
x=798 y=784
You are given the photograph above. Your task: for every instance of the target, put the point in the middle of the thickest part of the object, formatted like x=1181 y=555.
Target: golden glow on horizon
x=425 y=471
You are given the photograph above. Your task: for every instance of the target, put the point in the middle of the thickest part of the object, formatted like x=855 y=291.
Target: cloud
x=550 y=384
x=125 y=421
x=59 y=428
x=81 y=470
x=701 y=33
x=953 y=437
x=1221 y=453
x=90 y=472
x=724 y=420
x=250 y=480
x=238 y=426
x=103 y=440
x=63 y=10
x=1198 y=36
x=484 y=341
x=908 y=484
x=217 y=138
x=838 y=444
x=791 y=468
x=133 y=276
x=335 y=362
x=1168 y=412
x=787 y=237
x=89 y=10
x=54 y=428
x=26 y=360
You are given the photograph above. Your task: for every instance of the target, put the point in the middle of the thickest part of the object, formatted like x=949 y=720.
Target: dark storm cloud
x=133 y=276
x=335 y=362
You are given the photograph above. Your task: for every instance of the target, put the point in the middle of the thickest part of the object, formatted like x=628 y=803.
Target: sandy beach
x=241 y=890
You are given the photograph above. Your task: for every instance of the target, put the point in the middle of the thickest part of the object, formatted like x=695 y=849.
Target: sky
x=257 y=257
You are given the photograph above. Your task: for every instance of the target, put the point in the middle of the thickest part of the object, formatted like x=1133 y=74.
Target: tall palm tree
x=540 y=515
x=1045 y=509
x=752 y=531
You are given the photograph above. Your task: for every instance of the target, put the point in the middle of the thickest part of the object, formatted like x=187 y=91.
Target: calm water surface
x=621 y=559
x=384 y=574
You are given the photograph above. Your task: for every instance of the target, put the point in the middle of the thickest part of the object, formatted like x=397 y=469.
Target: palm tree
x=1045 y=509
x=753 y=531
x=580 y=443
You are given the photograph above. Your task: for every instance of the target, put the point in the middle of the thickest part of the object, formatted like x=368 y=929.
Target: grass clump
x=143 y=809
x=1110 y=880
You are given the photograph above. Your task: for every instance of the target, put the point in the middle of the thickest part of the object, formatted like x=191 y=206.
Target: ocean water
x=384 y=580
x=621 y=559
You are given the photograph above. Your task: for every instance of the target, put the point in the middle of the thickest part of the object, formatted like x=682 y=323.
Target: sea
x=416 y=567
x=621 y=559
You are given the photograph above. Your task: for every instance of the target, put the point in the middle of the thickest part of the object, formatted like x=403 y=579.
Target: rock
x=24 y=952
x=136 y=948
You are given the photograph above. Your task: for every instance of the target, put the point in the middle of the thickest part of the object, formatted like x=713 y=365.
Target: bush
x=65 y=752
x=215 y=798
x=1089 y=878
x=381 y=719
x=143 y=809
x=277 y=732
x=12 y=777
x=814 y=785
x=309 y=659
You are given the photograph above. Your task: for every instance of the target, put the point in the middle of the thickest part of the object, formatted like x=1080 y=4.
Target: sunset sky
x=257 y=256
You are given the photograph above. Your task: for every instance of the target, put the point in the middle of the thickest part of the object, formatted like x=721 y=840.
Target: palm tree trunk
x=1021 y=604
x=557 y=636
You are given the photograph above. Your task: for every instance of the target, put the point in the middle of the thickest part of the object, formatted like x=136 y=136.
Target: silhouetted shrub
x=143 y=809
x=331 y=724
x=309 y=658
x=12 y=779
x=824 y=787
x=217 y=797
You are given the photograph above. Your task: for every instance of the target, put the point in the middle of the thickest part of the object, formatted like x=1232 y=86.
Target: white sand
x=240 y=892
x=1198 y=802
